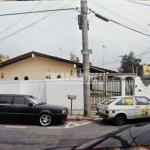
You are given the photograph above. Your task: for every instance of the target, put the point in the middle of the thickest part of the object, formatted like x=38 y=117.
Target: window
x=58 y=76
x=141 y=101
x=109 y=101
x=20 y=101
x=126 y=101
x=48 y=77
x=16 y=78
x=6 y=100
x=26 y=78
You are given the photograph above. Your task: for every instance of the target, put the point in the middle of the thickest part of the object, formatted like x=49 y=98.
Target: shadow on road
x=129 y=122
x=26 y=121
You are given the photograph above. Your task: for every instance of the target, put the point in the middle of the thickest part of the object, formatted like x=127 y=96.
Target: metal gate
x=103 y=87
x=129 y=86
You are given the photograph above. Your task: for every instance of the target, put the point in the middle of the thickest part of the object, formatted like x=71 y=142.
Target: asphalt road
x=26 y=135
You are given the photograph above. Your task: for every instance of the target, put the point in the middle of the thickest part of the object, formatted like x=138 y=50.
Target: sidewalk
x=78 y=115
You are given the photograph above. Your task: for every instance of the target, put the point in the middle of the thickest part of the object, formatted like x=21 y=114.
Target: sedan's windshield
x=35 y=100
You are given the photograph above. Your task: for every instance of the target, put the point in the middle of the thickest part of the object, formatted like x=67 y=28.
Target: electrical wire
x=106 y=19
x=129 y=28
x=139 y=17
x=19 y=20
x=16 y=7
x=137 y=3
x=32 y=24
x=122 y=17
x=120 y=60
x=42 y=11
x=34 y=15
x=144 y=52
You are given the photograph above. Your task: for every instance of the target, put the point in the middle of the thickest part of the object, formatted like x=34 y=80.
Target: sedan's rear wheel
x=120 y=119
x=45 y=120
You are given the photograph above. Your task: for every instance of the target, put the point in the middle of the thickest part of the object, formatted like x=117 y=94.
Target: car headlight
x=64 y=111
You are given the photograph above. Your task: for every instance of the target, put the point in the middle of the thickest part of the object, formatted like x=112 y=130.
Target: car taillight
x=107 y=111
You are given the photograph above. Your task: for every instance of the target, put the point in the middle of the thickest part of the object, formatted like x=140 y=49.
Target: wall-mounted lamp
x=2 y=75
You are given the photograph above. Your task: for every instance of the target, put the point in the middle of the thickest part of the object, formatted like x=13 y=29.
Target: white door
x=142 y=107
x=127 y=105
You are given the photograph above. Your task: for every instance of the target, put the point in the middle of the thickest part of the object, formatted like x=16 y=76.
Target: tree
x=77 y=59
x=1 y=58
x=130 y=63
x=74 y=57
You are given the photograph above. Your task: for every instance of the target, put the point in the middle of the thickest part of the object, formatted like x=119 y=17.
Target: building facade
x=38 y=66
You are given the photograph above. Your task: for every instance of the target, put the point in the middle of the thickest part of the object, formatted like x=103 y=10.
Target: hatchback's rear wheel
x=120 y=119
x=45 y=119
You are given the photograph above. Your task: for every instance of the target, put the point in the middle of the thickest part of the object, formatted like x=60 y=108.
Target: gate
x=103 y=87
x=129 y=86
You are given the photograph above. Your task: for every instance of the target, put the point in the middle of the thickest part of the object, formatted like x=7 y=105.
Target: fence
x=108 y=87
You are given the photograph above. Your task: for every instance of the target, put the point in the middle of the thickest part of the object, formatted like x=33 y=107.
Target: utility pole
x=85 y=51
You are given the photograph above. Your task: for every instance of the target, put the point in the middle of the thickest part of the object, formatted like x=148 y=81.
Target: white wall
x=36 y=88
x=53 y=91
x=57 y=91
x=11 y=87
x=141 y=89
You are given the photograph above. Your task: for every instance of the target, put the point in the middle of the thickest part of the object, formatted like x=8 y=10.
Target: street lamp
x=60 y=51
x=103 y=54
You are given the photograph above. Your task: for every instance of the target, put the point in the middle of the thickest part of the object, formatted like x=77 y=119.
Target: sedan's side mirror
x=30 y=104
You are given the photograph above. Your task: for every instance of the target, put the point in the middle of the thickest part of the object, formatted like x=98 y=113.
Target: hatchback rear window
x=109 y=101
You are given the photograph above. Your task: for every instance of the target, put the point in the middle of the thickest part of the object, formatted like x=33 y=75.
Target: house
x=146 y=70
x=39 y=66
x=4 y=58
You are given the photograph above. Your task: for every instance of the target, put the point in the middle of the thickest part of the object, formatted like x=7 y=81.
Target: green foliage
x=1 y=58
x=74 y=57
x=130 y=63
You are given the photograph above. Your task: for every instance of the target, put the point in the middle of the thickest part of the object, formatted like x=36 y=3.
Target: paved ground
x=24 y=135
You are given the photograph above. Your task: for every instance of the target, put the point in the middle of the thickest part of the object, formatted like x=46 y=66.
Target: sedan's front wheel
x=45 y=120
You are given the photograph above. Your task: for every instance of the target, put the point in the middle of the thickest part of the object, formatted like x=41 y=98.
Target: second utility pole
x=85 y=52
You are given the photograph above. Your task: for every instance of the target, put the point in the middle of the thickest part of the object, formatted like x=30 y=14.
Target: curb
x=80 y=119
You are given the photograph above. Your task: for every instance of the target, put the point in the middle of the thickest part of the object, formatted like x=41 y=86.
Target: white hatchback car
x=121 y=108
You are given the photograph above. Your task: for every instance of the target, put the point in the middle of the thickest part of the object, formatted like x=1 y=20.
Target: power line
x=129 y=28
x=107 y=20
x=139 y=17
x=31 y=24
x=144 y=52
x=138 y=3
x=119 y=59
x=18 y=20
x=122 y=17
x=16 y=7
x=42 y=11
x=34 y=15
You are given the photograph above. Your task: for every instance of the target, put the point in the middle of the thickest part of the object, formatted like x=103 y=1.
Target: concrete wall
x=11 y=87
x=57 y=92
x=53 y=91
x=141 y=89
x=35 y=88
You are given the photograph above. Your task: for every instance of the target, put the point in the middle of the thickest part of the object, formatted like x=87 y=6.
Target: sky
x=20 y=34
